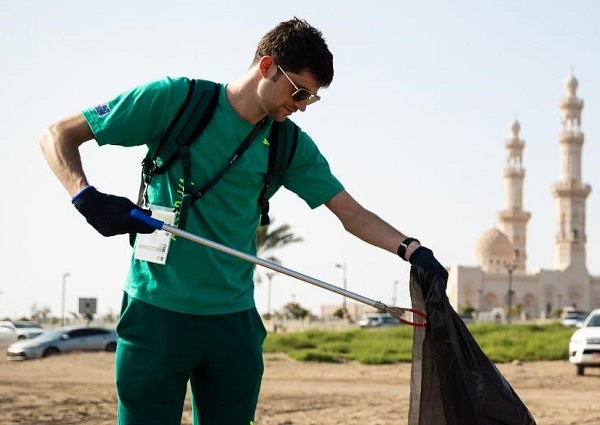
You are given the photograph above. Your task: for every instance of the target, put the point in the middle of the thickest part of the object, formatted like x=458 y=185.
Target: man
x=192 y=316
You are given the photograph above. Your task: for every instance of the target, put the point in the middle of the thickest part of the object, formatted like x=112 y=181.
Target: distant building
x=500 y=279
x=355 y=311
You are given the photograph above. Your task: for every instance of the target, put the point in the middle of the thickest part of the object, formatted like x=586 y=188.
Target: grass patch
x=501 y=343
x=504 y=343
x=316 y=356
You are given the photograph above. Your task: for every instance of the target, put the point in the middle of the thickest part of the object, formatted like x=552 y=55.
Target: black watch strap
x=402 y=247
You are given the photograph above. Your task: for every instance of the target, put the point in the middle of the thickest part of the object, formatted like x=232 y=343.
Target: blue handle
x=146 y=219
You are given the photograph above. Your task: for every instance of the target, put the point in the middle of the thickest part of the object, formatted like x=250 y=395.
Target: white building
x=500 y=280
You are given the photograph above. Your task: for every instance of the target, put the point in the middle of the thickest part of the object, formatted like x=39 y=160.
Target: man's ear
x=267 y=67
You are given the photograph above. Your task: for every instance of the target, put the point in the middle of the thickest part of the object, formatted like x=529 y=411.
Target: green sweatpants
x=159 y=351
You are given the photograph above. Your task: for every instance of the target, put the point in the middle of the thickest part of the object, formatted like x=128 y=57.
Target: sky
x=413 y=125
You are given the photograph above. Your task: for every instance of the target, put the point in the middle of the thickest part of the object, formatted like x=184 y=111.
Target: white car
x=375 y=320
x=13 y=331
x=584 y=348
x=63 y=340
x=574 y=318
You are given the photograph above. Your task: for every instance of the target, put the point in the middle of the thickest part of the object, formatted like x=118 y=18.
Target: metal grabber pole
x=402 y=314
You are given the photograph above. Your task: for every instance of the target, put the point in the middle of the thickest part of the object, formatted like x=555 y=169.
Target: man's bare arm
x=366 y=225
x=60 y=145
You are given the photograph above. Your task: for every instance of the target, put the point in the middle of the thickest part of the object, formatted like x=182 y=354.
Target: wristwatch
x=404 y=245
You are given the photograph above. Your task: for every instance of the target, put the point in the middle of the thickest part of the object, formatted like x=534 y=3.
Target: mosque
x=500 y=282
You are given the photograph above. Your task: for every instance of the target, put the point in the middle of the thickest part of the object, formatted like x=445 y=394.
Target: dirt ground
x=78 y=389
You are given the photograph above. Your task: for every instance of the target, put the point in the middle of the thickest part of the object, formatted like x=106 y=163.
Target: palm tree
x=269 y=238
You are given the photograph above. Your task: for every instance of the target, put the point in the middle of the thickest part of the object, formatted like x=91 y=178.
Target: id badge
x=154 y=247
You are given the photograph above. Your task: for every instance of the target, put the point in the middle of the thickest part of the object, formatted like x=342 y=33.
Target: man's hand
x=109 y=214
x=423 y=257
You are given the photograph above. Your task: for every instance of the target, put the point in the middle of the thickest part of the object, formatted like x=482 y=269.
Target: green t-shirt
x=197 y=279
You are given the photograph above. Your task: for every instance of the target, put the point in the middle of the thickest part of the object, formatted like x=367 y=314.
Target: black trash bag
x=452 y=381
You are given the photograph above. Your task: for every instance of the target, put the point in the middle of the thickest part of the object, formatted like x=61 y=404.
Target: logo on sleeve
x=102 y=110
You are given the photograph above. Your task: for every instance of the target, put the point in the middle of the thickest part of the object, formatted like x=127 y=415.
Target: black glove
x=423 y=257
x=109 y=214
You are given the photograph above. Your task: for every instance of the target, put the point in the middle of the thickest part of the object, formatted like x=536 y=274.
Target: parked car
x=64 y=340
x=574 y=318
x=374 y=320
x=18 y=330
x=584 y=347
x=467 y=316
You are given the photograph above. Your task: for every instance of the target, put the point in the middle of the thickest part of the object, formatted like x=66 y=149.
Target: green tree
x=269 y=238
x=295 y=311
x=468 y=310
x=341 y=312
x=40 y=314
x=110 y=317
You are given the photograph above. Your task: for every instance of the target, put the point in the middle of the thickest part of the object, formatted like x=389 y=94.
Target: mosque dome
x=494 y=251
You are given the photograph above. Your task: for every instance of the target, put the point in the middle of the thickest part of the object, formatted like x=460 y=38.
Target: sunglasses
x=301 y=94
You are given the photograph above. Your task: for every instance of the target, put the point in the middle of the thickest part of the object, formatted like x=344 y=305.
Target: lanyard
x=190 y=197
x=238 y=152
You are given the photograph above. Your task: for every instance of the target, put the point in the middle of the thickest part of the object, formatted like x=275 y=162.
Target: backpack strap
x=191 y=119
x=283 y=141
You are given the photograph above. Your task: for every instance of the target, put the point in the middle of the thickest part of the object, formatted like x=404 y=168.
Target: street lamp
x=345 y=284
x=511 y=268
x=560 y=301
x=270 y=277
x=64 y=284
x=395 y=292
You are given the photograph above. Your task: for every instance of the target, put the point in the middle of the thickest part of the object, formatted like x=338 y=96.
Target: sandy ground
x=78 y=389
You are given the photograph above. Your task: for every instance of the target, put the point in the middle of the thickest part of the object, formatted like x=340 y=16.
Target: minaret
x=570 y=193
x=512 y=218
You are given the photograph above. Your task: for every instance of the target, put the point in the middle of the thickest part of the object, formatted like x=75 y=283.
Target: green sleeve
x=309 y=175
x=138 y=116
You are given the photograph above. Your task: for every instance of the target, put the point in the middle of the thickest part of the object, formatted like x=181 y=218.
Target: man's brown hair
x=297 y=46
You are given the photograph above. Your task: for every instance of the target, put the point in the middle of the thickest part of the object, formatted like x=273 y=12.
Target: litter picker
x=407 y=316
